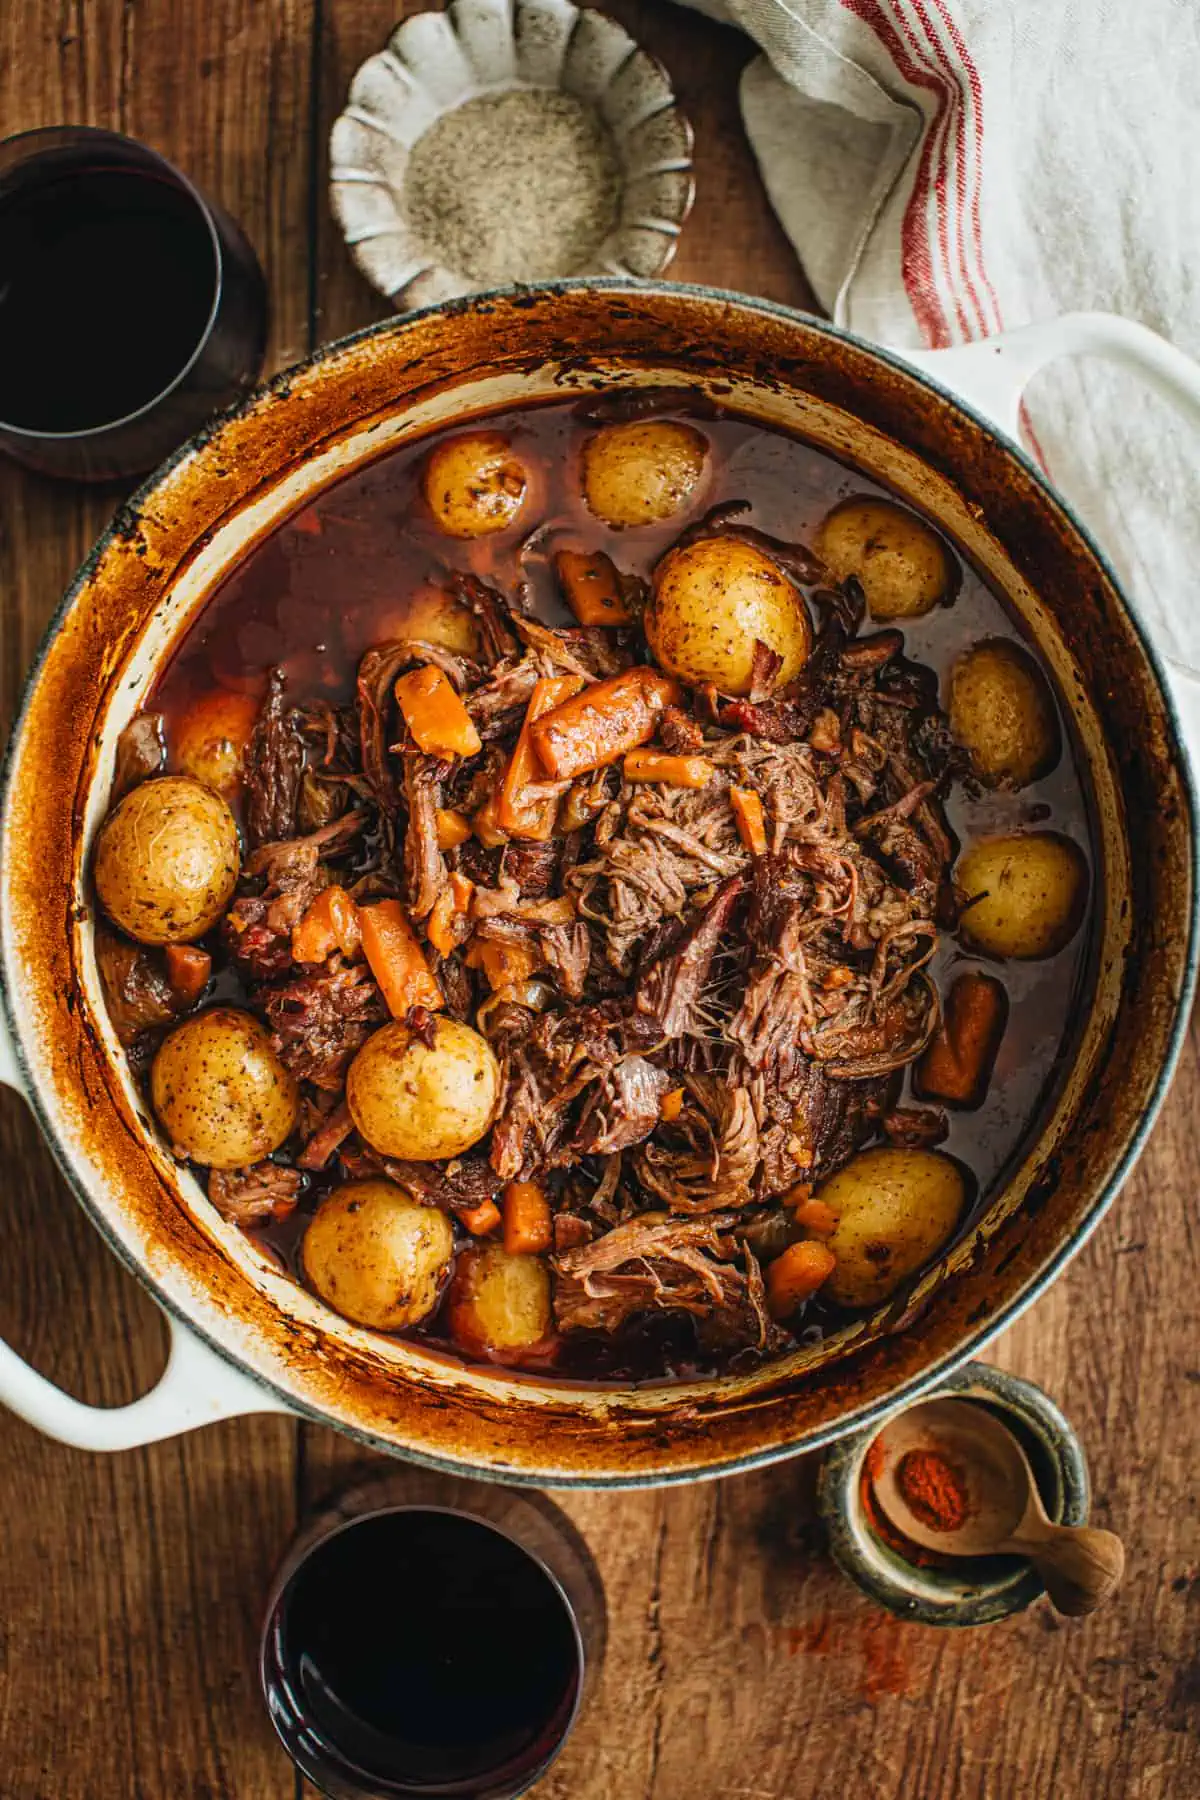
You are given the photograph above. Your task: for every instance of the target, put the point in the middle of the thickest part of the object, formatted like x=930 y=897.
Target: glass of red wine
x=131 y=308
x=431 y=1637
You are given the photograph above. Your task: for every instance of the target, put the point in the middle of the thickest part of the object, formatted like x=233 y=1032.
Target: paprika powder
x=934 y=1490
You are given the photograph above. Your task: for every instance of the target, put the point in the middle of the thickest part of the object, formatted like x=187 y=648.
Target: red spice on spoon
x=934 y=1489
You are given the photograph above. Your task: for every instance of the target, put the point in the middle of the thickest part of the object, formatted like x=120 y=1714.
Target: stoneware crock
x=246 y=1338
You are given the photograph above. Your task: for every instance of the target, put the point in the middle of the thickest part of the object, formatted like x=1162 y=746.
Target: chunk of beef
x=915 y=1127
x=665 y=1265
x=141 y=753
x=498 y=705
x=532 y=866
x=493 y=616
x=671 y=990
x=266 y=1190
x=622 y=1108
x=319 y=1020
x=137 y=992
x=705 y=1160
x=274 y=764
x=567 y=951
x=454 y=1187
x=424 y=865
x=679 y=733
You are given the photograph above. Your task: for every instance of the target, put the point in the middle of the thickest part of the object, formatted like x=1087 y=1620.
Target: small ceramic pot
x=975 y=1590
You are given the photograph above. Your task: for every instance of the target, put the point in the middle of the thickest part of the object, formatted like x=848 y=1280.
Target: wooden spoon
x=1081 y=1567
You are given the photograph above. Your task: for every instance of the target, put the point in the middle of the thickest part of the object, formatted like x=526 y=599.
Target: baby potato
x=895 y=1209
x=211 y=740
x=1002 y=714
x=376 y=1255
x=474 y=484
x=221 y=1093
x=642 y=472
x=498 y=1305
x=902 y=563
x=712 y=599
x=1024 y=894
x=408 y=1100
x=167 y=860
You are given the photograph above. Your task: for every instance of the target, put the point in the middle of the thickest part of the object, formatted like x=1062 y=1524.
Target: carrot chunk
x=817 y=1217
x=481 y=1219
x=520 y=808
x=796 y=1275
x=435 y=715
x=602 y=723
x=527 y=1222
x=331 y=923
x=453 y=828
x=957 y=1066
x=396 y=959
x=590 y=581
x=672 y=1105
x=188 y=970
x=748 y=816
x=674 y=771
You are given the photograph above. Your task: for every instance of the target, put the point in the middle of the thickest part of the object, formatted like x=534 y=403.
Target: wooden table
x=739 y=1664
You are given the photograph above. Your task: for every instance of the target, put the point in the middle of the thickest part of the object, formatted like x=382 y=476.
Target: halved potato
x=427 y=1104
x=712 y=600
x=167 y=860
x=902 y=563
x=475 y=484
x=1024 y=894
x=376 y=1255
x=220 y=1091
x=644 y=471
x=1002 y=714
x=499 y=1304
x=895 y=1209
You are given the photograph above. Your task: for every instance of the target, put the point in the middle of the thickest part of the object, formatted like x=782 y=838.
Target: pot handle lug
x=196 y=1388
x=991 y=376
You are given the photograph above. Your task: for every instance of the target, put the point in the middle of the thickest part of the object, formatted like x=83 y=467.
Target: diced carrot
x=527 y=1223
x=331 y=923
x=748 y=816
x=674 y=771
x=602 y=723
x=671 y=1105
x=957 y=1065
x=462 y=888
x=453 y=828
x=396 y=959
x=505 y=965
x=592 y=586
x=518 y=811
x=188 y=970
x=838 y=977
x=481 y=1219
x=817 y=1217
x=435 y=715
x=796 y=1275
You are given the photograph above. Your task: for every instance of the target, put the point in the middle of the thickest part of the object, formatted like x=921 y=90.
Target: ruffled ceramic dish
x=509 y=141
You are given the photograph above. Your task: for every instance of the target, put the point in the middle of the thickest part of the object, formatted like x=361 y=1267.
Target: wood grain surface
x=739 y=1664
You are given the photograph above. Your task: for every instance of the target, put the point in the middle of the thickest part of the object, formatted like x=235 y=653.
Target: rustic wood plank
x=130 y=1586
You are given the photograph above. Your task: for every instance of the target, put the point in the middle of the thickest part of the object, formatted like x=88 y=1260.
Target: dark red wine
x=107 y=282
x=429 y=1652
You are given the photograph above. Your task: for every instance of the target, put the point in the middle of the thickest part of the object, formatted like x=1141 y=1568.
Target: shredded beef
x=424 y=865
x=267 y=1190
x=274 y=763
x=319 y=1020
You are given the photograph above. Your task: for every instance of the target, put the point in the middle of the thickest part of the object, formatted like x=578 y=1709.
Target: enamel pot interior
x=154 y=569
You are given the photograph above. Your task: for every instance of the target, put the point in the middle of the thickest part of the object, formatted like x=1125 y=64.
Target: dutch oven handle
x=197 y=1387
x=991 y=376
